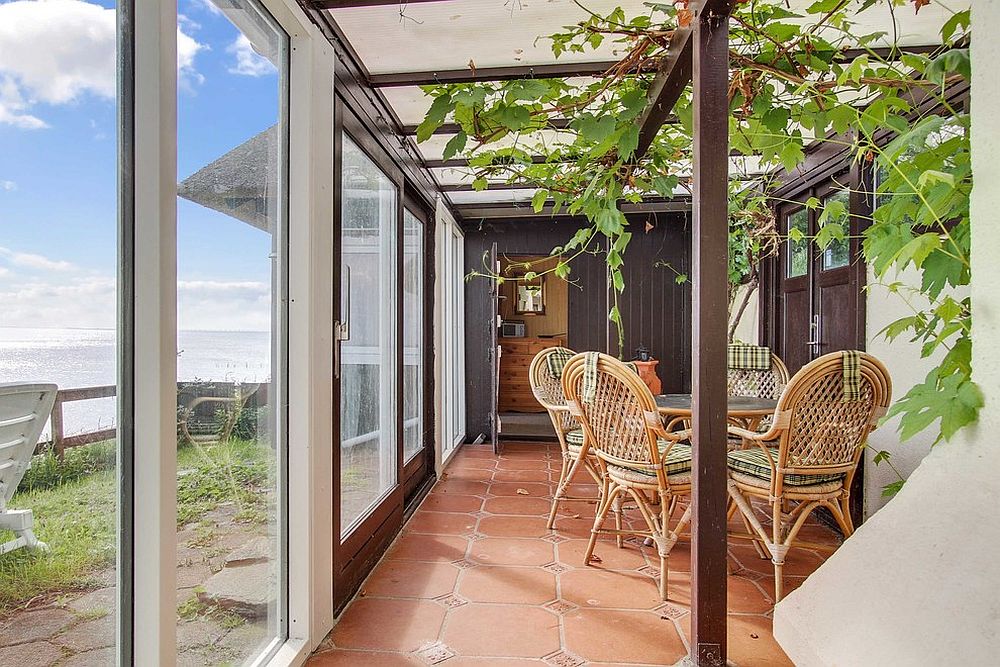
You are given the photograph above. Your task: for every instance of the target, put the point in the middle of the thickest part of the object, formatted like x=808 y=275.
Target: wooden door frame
x=354 y=556
x=416 y=473
x=820 y=181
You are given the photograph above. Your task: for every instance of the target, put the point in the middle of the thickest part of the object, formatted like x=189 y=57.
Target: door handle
x=814 y=332
x=342 y=327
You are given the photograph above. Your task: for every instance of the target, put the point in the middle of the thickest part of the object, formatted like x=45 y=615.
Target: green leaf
x=480 y=183
x=891 y=489
x=538 y=200
x=455 y=145
x=439 y=110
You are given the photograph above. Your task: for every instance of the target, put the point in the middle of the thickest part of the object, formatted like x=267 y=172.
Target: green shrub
x=47 y=471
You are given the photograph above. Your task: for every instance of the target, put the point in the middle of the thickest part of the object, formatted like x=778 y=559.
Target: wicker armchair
x=758 y=383
x=547 y=388
x=810 y=453
x=638 y=458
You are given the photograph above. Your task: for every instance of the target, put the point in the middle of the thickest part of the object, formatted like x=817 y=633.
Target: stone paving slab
x=33 y=626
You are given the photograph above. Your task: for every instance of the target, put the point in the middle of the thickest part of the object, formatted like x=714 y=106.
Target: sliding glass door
x=381 y=379
x=368 y=351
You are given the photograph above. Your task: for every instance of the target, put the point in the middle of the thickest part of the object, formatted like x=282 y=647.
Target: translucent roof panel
x=429 y=36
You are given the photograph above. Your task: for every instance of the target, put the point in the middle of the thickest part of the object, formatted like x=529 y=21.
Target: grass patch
x=75 y=506
x=77 y=521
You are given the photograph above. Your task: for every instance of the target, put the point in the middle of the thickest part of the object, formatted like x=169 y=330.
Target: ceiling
x=432 y=40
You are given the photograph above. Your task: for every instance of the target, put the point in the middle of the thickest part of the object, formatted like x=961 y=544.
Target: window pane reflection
x=413 y=331
x=232 y=163
x=798 y=250
x=369 y=296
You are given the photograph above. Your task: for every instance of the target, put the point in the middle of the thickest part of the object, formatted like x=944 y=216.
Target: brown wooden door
x=818 y=307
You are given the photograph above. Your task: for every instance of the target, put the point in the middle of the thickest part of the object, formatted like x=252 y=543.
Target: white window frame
x=310 y=335
x=449 y=336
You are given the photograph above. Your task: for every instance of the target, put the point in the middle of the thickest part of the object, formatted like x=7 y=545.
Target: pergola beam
x=501 y=210
x=453 y=128
x=557 y=70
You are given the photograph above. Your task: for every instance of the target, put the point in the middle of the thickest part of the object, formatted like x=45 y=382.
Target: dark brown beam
x=494 y=210
x=453 y=128
x=347 y=4
x=708 y=45
x=671 y=80
x=506 y=73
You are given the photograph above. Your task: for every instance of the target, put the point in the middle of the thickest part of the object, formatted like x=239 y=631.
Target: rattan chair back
x=821 y=433
x=547 y=387
x=615 y=417
x=755 y=383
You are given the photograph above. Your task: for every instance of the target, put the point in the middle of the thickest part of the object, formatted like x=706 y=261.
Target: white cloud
x=31 y=261
x=8 y=186
x=248 y=61
x=56 y=51
x=84 y=302
x=223 y=305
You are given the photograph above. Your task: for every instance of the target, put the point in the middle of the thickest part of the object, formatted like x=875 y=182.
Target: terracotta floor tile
x=361 y=659
x=590 y=587
x=605 y=607
x=629 y=557
x=515 y=632
x=744 y=597
x=516 y=505
x=514 y=585
x=471 y=474
x=446 y=502
x=751 y=643
x=524 y=463
x=390 y=625
x=534 y=489
x=411 y=579
x=622 y=636
x=524 y=476
x=798 y=562
x=440 y=523
x=465 y=487
x=511 y=551
x=465 y=661
x=514 y=526
x=433 y=548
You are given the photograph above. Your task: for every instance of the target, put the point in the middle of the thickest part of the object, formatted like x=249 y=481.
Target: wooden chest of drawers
x=515 y=359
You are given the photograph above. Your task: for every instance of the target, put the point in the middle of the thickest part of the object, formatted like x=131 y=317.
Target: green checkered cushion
x=677 y=461
x=754 y=462
x=852 y=375
x=749 y=357
x=557 y=359
x=574 y=437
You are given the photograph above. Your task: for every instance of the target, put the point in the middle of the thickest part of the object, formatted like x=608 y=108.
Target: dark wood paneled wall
x=656 y=311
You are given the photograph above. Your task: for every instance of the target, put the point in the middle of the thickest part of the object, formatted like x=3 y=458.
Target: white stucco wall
x=919 y=583
x=907 y=369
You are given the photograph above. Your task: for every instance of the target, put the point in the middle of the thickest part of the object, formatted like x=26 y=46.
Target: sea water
x=74 y=358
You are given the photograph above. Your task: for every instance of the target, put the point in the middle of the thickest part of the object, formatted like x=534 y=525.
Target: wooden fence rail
x=59 y=442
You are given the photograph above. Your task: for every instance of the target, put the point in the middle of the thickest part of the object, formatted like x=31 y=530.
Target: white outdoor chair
x=24 y=409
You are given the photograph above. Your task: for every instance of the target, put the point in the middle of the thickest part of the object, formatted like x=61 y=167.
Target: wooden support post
x=710 y=78
x=56 y=423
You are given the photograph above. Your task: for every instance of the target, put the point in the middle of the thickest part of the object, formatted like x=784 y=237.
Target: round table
x=747 y=411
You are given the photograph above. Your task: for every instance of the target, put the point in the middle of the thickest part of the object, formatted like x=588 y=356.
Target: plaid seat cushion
x=557 y=359
x=754 y=462
x=677 y=460
x=749 y=357
x=574 y=437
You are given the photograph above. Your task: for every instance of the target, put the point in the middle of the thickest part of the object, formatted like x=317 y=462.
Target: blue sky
x=58 y=166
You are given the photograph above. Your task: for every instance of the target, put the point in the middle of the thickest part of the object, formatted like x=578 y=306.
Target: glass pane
x=413 y=332
x=798 y=250
x=368 y=358
x=837 y=207
x=231 y=231
x=58 y=333
x=457 y=333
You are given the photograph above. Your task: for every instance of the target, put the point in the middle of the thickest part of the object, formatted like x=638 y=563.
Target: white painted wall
x=918 y=583
x=907 y=369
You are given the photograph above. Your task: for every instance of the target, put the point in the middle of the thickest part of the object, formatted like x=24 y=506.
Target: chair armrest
x=655 y=424
x=744 y=433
